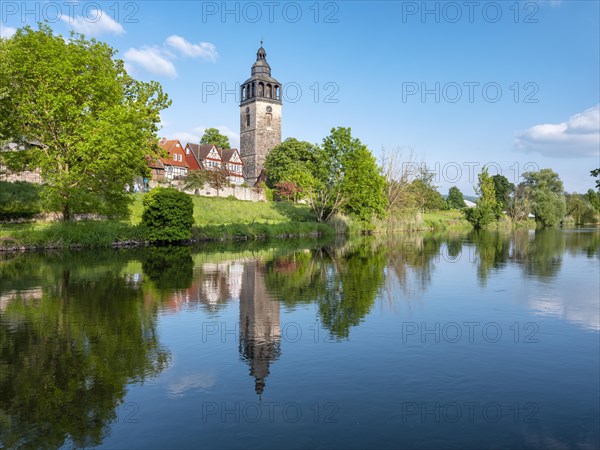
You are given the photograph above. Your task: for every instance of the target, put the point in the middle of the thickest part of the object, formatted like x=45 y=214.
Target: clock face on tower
x=269 y=109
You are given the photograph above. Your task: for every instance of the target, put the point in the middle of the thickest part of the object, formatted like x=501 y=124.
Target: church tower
x=260 y=117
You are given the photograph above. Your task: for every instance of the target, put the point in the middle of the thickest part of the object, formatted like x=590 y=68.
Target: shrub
x=19 y=200
x=168 y=215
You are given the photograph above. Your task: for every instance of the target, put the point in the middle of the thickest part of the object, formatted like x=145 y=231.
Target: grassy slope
x=221 y=211
x=215 y=219
x=451 y=219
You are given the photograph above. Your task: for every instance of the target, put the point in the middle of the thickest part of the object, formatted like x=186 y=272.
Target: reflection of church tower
x=260 y=333
x=260 y=117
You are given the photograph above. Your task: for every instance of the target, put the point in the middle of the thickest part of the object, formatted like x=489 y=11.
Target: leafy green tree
x=546 y=193
x=455 y=198
x=363 y=186
x=339 y=175
x=92 y=122
x=293 y=161
x=487 y=207
x=579 y=208
x=214 y=137
x=503 y=189
x=424 y=193
x=594 y=198
x=347 y=178
x=218 y=178
x=168 y=215
x=195 y=180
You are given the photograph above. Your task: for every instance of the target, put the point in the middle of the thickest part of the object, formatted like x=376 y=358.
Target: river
x=472 y=340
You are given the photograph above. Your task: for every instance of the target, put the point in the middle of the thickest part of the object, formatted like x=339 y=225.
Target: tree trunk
x=66 y=212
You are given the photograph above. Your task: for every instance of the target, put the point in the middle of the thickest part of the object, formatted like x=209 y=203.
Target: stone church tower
x=260 y=117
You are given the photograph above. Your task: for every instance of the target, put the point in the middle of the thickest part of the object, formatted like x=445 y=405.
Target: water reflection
x=260 y=330
x=77 y=329
x=69 y=348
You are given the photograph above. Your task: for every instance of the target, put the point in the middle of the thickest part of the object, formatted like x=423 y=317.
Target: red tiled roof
x=154 y=163
x=192 y=163
x=170 y=146
x=191 y=157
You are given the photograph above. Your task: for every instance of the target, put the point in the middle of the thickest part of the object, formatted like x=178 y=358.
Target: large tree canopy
x=340 y=175
x=545 y=189
x=214 y=137
x=92 y=123
x=291 y=161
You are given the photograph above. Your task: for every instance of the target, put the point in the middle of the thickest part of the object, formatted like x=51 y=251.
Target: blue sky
x=513 y=84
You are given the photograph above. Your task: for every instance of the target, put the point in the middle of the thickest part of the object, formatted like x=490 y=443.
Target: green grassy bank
x=215 y=219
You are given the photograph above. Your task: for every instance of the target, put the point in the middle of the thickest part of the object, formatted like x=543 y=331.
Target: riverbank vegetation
x=70 y=112
x=215 y=219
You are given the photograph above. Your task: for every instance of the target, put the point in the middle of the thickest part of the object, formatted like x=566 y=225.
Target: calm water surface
x=421 y=341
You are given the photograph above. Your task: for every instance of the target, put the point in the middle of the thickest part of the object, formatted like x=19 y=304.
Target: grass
x=215 y=219
x=224 y=211
x=96 y=234
x=451 y=219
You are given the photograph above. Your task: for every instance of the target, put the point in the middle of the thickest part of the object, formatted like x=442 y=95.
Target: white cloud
x=198 y=382
x=204 y=50
x=158 y=60
x=577 y=137
x=194 y=135
x=152 y=59
x=6 y=32
x=97 y=22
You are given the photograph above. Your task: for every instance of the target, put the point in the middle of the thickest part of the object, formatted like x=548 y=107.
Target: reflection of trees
x=542 y=255
x=168 y=267
x=412 y=255
x=66 y=359
x=352 y=288
x=492 y=250
x=539 y=253
x=298 y=277
x=343 y=281
x=583 y=241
